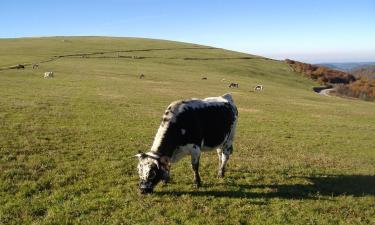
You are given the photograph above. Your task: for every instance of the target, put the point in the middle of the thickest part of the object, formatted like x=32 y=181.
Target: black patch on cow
x=211 y=124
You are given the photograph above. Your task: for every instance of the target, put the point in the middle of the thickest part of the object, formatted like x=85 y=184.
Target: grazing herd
x=34 y=66
x=50 y=74
x=258 y=87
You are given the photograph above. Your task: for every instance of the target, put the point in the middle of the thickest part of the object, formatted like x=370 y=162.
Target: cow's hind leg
x=195 y=156
x=223 y=159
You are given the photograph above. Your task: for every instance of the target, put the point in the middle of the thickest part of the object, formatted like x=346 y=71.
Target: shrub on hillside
x=362 y=88
x=345 y=83
x=322 y=74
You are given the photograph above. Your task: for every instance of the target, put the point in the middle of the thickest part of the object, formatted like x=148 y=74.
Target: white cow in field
x=48 y=75
x=258 y=88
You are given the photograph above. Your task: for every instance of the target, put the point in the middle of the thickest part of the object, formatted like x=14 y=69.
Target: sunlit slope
x=66 y=143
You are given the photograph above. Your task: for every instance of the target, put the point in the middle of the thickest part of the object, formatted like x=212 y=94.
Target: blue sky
x=311 y=31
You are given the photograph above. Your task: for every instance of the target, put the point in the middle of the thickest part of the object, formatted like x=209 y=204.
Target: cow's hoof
x=220 y=175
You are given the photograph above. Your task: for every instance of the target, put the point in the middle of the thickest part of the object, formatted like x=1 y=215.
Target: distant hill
x=344 y=83
x=346 y=66
x=368 y=71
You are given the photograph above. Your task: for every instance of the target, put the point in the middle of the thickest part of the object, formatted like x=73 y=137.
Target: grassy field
x=66 y=144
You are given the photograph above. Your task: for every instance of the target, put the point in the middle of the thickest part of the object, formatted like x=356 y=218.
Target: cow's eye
x=152 y=174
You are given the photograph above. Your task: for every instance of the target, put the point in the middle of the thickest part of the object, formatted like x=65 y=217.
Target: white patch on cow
x=258 y=87
x=48 y=74
x=159 y=136
x=177 y=107
x=152 y=154
x=183 y=131
x=189 y=149
x=182 y=151
x=228 y=141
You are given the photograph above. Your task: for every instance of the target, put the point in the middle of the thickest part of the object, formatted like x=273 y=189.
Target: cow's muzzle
x=145 y=189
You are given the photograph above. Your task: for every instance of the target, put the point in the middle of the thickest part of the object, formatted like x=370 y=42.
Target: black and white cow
x=258 y=87
x=234 y=85
x=187 y=128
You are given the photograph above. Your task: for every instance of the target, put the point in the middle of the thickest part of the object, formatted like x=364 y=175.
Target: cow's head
x=151 y=169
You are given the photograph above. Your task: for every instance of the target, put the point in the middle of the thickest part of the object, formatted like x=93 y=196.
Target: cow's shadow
x=317 y=188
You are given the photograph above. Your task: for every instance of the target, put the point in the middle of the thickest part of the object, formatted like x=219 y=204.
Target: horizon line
x=203 y=44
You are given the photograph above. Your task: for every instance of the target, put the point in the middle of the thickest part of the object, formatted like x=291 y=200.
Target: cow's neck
x=164 y=144
x=162 y=152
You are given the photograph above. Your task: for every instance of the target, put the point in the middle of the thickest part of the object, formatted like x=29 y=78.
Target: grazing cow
x=35 y=66
x=142 y=76
x=234 y=85
x=258 y=88
x=18 y=66
x=204 y=78
x=187 y=128
x=48 y=75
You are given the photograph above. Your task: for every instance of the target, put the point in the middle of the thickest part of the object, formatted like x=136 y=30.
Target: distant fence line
x=91 y=54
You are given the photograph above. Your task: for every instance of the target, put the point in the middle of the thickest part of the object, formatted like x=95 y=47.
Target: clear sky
x=307 y=30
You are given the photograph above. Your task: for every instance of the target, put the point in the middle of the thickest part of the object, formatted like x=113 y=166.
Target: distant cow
x=48 y=75
x=187 y=128
x=142 y=76
x=18 y=66
x=204 y=78
x=35 y=66
x=258 y=88
x=233 y=85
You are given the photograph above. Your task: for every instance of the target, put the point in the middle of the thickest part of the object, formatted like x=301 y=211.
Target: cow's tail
x=228 y=97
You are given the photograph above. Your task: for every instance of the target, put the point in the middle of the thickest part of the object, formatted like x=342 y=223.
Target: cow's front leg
x=223 y=159
x=195 y=156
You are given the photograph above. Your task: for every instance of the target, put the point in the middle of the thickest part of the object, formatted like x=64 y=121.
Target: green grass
x=66 y=144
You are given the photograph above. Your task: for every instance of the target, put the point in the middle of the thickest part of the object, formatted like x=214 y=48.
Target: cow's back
x=202 y=122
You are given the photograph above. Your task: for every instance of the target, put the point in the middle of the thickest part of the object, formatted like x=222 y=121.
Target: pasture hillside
x=66 y=143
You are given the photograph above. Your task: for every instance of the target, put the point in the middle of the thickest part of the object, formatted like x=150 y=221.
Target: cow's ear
x=166 y=161
x=140 y=155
